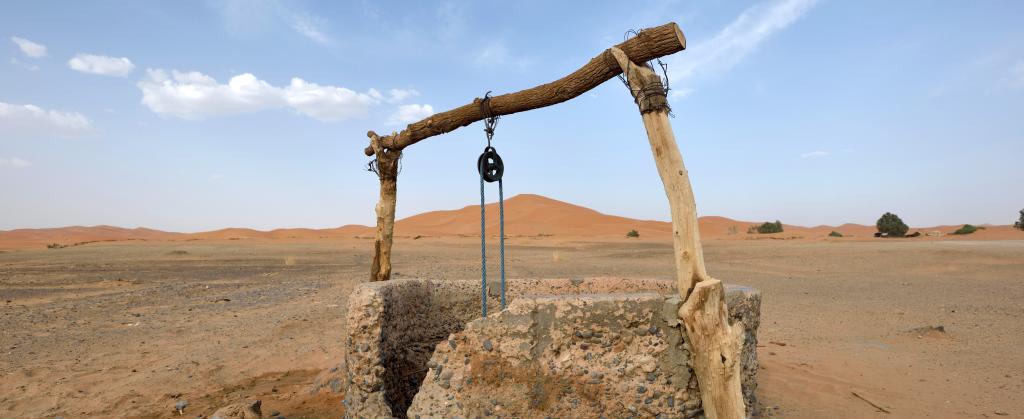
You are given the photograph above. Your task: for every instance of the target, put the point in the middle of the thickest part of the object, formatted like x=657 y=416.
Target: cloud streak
x=1017 y=75
x=719 y=54
x=101 y=65
x=33 y=121
x=814 y=154
x=30 y=48
x=311 y=27
x=14 y=163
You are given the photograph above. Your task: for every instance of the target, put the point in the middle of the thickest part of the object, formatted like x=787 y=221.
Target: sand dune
x=525 y=215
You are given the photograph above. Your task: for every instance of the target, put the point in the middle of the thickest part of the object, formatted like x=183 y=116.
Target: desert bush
x=892 y=225
x=55 y=246
x=916 y=234
x=966 y=229
x=835 y=234
x=768 y=228
x=1019 y=224
x=633 y=233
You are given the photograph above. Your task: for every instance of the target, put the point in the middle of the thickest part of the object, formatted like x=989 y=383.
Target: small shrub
x=55 y=246
x=633 y=233
x=768 y=228
x=751 y=229
x=835 y=234
x=732 y=230
x=1019 y=224
x=966 y=229
x=916 y=234
x=892 y=225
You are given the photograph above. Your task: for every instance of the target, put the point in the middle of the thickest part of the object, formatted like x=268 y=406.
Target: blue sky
x=192 y=116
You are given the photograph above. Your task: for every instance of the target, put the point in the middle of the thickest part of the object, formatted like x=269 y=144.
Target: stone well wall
x=569 y=347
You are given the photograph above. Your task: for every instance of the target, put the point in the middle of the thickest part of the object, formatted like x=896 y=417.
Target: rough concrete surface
x=580 y=347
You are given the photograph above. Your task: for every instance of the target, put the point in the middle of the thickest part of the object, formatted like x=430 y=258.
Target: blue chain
x=501 y=242
x=483 y=251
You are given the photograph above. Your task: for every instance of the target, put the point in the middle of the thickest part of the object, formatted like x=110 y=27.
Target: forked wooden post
x=387 y=171
x=715 y=344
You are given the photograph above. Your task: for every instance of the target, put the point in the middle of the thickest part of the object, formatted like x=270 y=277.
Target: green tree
x=768 y=228
x=1019 y=225
x=835 y=234
x=966 y=229
x=633 y=233
x=892 y=225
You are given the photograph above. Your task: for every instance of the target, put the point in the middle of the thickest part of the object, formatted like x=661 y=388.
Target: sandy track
x=124 y=329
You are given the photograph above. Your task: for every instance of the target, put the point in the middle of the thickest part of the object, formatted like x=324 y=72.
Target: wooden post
x=714 y=343
x=387 y=171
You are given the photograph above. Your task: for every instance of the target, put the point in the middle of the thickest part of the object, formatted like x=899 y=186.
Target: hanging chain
x=490 y=119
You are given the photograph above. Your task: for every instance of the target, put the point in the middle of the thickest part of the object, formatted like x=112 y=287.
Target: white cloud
x=193 y=95
x=311 y=27
x=814 y=154
x=400 y=95
x=30 y=48
x=730 y=45
x=327 y=103
x=33 y=121
x=102 y=65
x=14 y=163
x=411 y=113
x=680 y=93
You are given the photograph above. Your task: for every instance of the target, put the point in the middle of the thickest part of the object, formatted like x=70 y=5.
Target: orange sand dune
x=525 y=215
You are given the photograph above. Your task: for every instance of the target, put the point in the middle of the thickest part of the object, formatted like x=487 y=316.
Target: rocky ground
x=136 y=328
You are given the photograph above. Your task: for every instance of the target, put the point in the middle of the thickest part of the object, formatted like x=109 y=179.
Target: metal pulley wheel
x=489 y=165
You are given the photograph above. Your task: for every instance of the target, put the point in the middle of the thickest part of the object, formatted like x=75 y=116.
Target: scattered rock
x=180 y=406
x=243 y=410
x=928 y=332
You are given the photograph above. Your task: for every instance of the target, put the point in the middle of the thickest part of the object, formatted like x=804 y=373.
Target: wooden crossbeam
x=649 y=44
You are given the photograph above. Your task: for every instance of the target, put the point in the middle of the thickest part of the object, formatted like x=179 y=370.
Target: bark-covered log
x=647 y=45
x=387 y=170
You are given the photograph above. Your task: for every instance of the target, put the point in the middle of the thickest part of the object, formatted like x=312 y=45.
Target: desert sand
x=525 y=215
x=128 y=328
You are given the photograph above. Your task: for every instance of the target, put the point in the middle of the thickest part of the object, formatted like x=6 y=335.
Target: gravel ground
x=135 y=328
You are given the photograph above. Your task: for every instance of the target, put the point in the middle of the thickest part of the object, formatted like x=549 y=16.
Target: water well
x=563 y=347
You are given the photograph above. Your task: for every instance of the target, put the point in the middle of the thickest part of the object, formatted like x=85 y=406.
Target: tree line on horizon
x=888 y=225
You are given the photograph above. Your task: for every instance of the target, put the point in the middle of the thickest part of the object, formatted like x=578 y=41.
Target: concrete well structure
x=589 y=347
